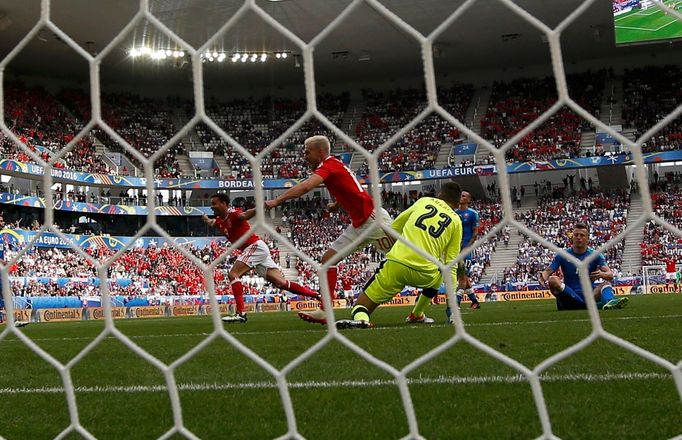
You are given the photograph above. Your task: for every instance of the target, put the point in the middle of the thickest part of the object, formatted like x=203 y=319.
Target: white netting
x=280 y=375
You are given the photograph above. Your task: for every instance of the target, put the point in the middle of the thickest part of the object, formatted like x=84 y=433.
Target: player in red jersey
x=350 y=195
x=234 y=223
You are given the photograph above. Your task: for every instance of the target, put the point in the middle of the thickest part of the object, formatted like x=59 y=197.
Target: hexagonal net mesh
x=532 y=375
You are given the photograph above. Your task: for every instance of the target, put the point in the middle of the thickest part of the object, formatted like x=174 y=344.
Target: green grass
x=648 y=25
x=585 y=398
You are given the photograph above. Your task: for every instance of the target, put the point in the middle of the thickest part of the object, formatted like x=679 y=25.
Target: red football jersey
x=234 y=228
x=346 y=189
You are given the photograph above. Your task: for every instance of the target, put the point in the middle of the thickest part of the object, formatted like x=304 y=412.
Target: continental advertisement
x=191 y=310
x=97 y=313
x=19 y=315
x=59 y=315
x=148 y=312
x=271 y=307
x=301 y=306
x=223 y=309
x=664 y=288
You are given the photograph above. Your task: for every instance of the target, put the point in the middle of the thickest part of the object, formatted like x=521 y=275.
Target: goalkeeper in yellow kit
x=432 y=225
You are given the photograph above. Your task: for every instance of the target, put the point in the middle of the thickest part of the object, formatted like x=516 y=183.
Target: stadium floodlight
x=133 y=52
x=245 y=57
x=235 y=57
x=144 y=50
x=278 y=55
x=221 y=57
x=169 y=52
x=263 y=57
x=284 y=55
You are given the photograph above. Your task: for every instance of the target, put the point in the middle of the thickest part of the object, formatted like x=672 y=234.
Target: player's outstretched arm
x=207 y=220
x=248 y=214
x=296 y=191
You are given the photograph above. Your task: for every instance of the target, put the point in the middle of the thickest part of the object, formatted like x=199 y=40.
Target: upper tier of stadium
x=46 y=122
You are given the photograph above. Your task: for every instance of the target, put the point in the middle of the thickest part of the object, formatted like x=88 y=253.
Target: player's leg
x=461 y=286
x=468 y=288
x=380 y=288
x=318 y=316
x=567 y=298
x=605 y=297
x=239 y=268
x=417 y=315
x=275 y=276
x=363 y=307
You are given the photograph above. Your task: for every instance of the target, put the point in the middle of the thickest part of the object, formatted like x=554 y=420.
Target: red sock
x=331 y=281
x=301 y=290
x=238 y=292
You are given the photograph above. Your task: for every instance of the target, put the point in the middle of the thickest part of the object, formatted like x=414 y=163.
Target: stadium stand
x=650 y=94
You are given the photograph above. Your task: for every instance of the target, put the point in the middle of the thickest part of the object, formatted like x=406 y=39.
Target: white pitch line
x=647 y=29
x=440 y=380
x=319 y=329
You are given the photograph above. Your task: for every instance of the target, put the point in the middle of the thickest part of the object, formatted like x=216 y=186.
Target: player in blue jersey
x=569 y=293
x=469 y=235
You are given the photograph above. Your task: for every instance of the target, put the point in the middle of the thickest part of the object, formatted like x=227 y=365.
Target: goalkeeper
x=432 y=225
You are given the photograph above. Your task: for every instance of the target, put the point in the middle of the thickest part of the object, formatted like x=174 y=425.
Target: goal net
x=532 y=375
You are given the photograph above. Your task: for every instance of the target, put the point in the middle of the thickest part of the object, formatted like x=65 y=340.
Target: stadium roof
x=365 y=46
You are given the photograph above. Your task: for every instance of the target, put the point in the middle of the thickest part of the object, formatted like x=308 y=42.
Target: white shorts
x=257 y=255
x=378 y=238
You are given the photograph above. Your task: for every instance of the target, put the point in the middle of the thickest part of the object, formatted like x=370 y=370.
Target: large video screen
x=643 y=21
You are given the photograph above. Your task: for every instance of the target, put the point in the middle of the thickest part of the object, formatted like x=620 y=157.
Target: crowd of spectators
x=659 y=244
x=516 y=104
x=153 y=271
x=386 y=113
x=144 y=123
x=41 y=123
x=46 y=123
x=605 y=214
x=650 y=94
x=255 y=123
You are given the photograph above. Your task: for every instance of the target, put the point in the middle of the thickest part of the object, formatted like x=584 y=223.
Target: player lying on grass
x=234 y=223
x=433 y=226
x=569 y=293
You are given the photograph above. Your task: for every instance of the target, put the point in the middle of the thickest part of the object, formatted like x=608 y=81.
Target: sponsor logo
x=148 y=312
x=116 y=313
x=522 y=296
x=271 y=307
x=665 y=288
x=57 y=315
x=222 y=309
x=184 y=310
x=314 y=305
x=401 y=301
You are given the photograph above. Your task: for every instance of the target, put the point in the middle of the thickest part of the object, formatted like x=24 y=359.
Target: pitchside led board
x=643 y=21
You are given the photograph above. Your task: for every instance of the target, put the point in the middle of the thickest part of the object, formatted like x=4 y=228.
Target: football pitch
x=603 y=391
x=652 y=24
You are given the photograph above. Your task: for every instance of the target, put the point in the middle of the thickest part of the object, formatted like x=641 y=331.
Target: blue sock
x=607 y=294
x=448 y=312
